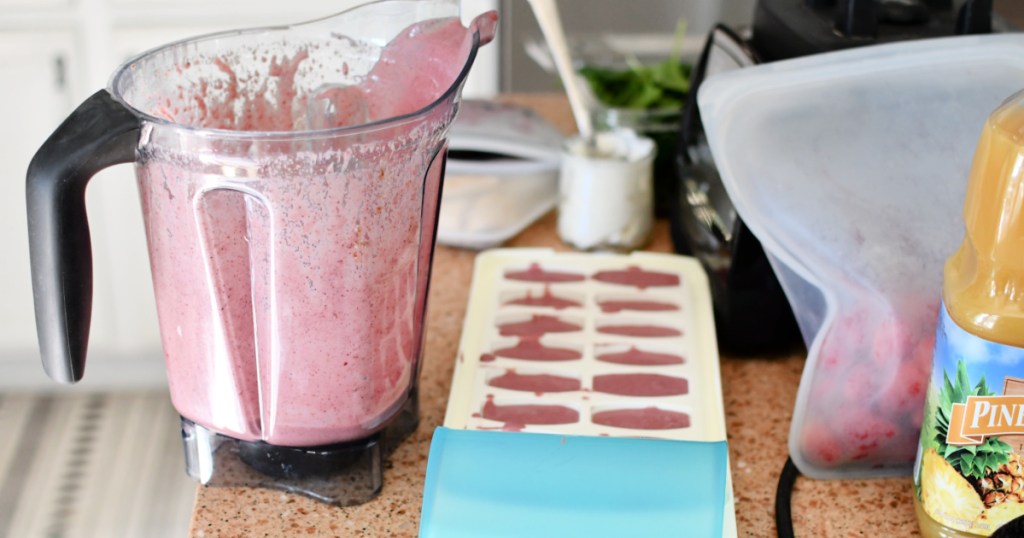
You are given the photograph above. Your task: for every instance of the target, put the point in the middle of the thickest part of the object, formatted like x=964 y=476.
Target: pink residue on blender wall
x=399 y=86
x=415 y=69
x=295 y=316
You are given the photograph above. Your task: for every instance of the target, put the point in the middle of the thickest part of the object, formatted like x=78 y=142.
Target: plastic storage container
x=850 y=167
x=501 y=174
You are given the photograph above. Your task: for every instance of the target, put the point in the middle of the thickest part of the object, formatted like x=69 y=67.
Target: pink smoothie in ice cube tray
x=633 y=355
x=291 y=266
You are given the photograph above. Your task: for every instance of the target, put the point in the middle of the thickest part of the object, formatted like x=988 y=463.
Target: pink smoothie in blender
x=290 y=182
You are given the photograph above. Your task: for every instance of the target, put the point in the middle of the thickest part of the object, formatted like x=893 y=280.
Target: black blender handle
x=101 y=132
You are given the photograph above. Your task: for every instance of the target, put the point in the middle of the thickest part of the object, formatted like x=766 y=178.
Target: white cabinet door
x=483 y=78
x=33 y=101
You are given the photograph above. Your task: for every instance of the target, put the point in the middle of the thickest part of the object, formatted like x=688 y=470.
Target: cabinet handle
x=60 y=71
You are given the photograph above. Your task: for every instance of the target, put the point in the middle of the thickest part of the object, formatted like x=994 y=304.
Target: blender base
x=342 y=474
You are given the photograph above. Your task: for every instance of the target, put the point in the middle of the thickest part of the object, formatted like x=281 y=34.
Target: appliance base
x=342 y=474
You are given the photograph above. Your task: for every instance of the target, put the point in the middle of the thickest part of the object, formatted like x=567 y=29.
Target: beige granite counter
x=759 y=395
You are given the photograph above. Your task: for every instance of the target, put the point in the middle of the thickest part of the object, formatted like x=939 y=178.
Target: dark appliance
x=752 y=314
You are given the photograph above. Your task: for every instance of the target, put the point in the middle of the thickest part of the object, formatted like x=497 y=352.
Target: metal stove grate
x=92 y=465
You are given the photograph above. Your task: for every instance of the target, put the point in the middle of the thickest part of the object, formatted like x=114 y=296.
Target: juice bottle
x=969 y=475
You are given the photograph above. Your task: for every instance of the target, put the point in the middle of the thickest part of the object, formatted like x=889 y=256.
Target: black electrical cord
x=783 y=514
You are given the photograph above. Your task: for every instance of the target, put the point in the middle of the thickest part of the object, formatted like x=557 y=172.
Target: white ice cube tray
x=689 y=335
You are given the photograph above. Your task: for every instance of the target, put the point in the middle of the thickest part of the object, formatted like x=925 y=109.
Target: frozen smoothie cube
x=640 y=330
x=637 y=277
x=537 y=383
x=641 y=385
x=530 y=348
x=537 y=274
x=538 y=325
x=640 y=357
x=642 y=418
x=526 y=414
x=611 y=306
x=545 y=299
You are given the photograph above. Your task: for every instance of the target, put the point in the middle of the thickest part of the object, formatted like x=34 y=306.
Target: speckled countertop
x=759 y=395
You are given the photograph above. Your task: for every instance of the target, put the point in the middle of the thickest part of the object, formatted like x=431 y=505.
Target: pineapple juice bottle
x=969 y=474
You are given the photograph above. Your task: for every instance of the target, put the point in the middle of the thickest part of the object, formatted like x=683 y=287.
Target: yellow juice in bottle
x=969 y=475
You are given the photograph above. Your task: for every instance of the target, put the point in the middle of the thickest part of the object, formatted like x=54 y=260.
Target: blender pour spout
x=485 y=25
x=391 y=90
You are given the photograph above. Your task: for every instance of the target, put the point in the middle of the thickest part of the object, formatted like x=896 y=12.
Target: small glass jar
x=660 y=125
x=605 y=198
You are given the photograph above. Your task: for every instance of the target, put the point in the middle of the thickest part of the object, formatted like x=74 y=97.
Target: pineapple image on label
x=999 y=515
x=947 y=493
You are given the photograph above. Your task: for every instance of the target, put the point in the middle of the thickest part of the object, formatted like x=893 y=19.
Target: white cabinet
x=34 y=98
x=4 y=4
x=54 y=54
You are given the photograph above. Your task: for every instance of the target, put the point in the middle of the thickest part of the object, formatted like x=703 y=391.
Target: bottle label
x=969 y=474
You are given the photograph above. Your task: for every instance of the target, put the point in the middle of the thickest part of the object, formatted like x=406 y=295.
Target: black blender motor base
x=342 y=474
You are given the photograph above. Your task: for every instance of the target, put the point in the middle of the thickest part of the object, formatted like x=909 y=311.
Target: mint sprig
x=663 y=85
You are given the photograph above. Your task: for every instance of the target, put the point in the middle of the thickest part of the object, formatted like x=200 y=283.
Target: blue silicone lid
x=507 y=484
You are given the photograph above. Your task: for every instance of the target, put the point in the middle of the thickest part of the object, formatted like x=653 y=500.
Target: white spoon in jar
x=546 y=12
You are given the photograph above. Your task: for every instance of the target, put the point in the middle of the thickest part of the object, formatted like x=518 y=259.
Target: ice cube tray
x=573 y=344
x=585 y=344
x=511 y=485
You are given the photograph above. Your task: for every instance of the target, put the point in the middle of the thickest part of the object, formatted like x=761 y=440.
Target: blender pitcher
x=290 y=180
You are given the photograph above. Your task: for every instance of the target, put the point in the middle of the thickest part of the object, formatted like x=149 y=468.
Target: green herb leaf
x=982 y=387
x=664 y=85
x=670 y=75
x=962 y=383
